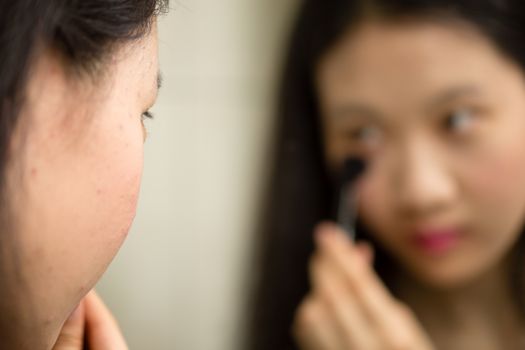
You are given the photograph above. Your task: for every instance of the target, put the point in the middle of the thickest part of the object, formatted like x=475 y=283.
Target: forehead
x=136 y=64
x=411 y=58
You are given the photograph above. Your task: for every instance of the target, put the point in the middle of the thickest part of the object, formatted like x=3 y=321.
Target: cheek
x=494 y=188
x=79 y=203
x=496 y=177
x=112 y=174
x=115 y=195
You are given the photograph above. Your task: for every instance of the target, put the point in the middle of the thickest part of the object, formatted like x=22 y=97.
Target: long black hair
x=83 y=32
x=300 y=192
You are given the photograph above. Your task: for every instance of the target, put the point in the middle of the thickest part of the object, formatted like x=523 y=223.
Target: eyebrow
x=350 y=109
x=447 y=96
x=453 y=94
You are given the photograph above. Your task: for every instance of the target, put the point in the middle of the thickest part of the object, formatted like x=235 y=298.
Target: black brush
x=352 y=169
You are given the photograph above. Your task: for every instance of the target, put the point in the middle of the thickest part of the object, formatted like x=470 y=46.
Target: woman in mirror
x=431 y=95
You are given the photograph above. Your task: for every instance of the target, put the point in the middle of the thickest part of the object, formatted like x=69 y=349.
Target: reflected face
x=439 y=113
x=74 y=181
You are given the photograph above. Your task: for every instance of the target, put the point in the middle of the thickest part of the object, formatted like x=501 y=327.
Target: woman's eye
x=147 y=115
x=366 y=135
x=459 y=121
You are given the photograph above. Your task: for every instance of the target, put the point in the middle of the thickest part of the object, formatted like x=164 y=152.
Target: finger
x=342 y=306
x=361 y=278
x=72 y=334
x=313 y=329
x=103 y=332
x=366 y=251
x=394 y=322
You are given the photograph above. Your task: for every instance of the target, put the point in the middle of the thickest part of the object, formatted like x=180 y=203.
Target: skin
x=438 y=111
x=90 y=323
x=77 y=157
x=349 y=307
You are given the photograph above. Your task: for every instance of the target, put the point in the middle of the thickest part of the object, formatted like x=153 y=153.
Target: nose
x=425 y=183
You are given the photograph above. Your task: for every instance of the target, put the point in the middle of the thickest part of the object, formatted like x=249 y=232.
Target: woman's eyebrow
x=452 y=94
x=353 y=109
x=357 y=109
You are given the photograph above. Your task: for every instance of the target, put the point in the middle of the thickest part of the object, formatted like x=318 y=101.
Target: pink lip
x=437 y=241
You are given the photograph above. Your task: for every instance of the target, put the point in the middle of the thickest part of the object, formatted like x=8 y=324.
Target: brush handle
x=347 y=210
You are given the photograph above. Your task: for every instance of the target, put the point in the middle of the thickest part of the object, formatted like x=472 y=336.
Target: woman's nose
x=424 y=182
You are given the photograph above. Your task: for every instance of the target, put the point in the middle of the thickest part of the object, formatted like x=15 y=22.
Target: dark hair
x=300 y=191
x=83 y=32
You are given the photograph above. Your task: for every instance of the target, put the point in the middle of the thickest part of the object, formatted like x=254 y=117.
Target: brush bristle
x=352 y=168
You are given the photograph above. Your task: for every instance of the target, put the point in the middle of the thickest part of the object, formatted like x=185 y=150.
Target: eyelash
x=147 y=115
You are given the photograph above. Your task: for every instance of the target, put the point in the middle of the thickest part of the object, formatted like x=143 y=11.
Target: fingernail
x=366 y=251
x=320 y=235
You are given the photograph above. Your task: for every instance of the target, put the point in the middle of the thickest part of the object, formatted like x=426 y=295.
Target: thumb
x=72 y=334
x=102 y=330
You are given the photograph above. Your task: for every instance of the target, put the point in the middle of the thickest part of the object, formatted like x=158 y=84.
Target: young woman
x=76 y=80
x=432 y=95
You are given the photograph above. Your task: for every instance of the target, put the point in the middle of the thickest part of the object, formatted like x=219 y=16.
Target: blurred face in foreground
x=73 y=177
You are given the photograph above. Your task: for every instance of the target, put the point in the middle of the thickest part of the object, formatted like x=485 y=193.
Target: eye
x=147 y=115
x=368 y=135
x=459 y=121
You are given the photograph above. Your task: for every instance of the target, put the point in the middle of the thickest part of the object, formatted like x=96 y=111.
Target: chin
x=444 y=277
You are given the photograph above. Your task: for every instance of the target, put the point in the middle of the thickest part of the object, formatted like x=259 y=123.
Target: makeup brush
x=352 y=169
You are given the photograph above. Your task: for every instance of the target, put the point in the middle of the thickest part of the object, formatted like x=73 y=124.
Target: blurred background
x=181 y=280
